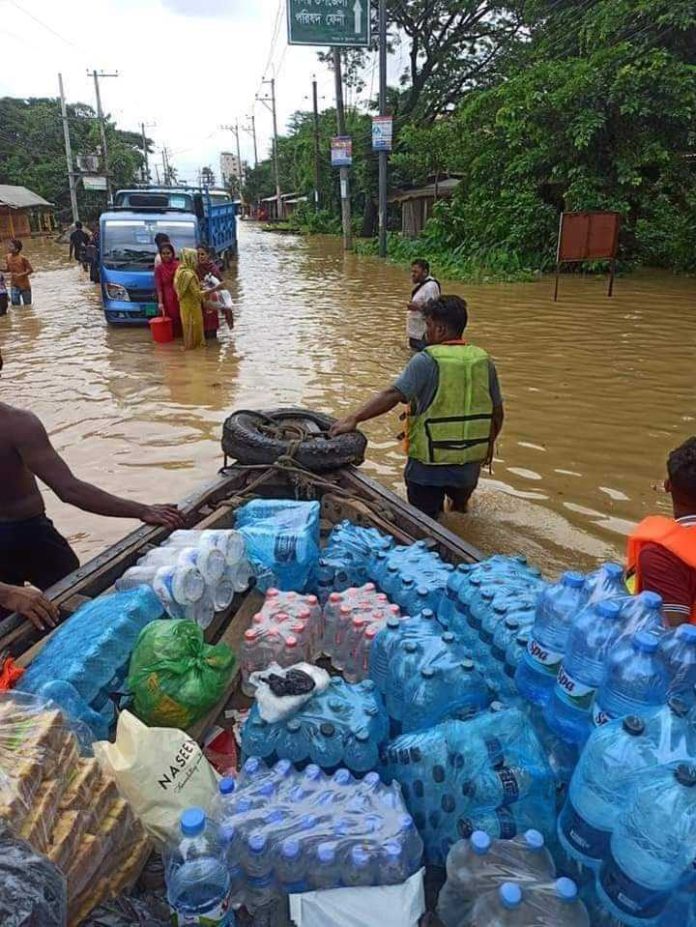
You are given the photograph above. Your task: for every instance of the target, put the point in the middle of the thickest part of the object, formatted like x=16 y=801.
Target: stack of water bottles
x=282 y=541
x=277 y=831
x=489 y=773
x=630 y=817
x=507 y=881
x=194 y=574
x=86 y=659
x=348 y=558
x=425 y=674
x=351 y=622
x=345 y=725
x=287 y=630
x=413 y=577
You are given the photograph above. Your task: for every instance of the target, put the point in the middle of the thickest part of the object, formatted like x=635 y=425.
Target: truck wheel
x=262 y=437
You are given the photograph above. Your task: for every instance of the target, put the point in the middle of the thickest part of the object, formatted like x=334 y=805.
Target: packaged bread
x=68 y=831
x=116 y=826
x=82 y=785
x=38 y=826
x=104 y=795
x=84 y=864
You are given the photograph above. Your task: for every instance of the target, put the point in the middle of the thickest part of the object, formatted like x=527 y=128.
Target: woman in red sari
x=164 y=281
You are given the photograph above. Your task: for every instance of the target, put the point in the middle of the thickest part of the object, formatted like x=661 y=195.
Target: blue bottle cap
x=512 y=624
x=410 y=646
x=393 y=623
x=633 y=725
x=267 y=789
x=360 y=857
x=192 y=822
x=427 y=672
x=464 y=568
x=573 y=579
x=367 y=685
x=371 y=779
x=282 y=768
x=308 y=821
x=227 y=785
x=613 y=570
x=326 y=853
x=609 y=609
x=327 y=729
x=533 y=839
x=427 y=614
x=406 y=822
x=312 y=772
x=293 y=725
x=566 y=889
x=496 y=706
x=480 y=842
x=422 y=591
x=645 y=642
x=500 y=608
x=362 y=735
x=651 y=600
x=341 y=776
x=467 y=665
x=252 y=766
x=448 y=637
x=392 y=850
x=510 y=895
x=687 y=633
x=290 y=848
x=447 y=567
x=257 y=843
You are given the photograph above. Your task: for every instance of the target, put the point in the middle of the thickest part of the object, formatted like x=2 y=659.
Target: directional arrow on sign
x=358 y=9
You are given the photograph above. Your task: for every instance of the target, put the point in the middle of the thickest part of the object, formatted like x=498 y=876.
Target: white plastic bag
x=387 y=906
x=222 y=299
x=274 y=708
x=160 y=771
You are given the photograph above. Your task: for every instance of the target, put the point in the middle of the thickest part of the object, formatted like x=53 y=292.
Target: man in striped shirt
x=662 y=551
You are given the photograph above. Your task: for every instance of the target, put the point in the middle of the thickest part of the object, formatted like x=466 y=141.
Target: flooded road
x=597 y=390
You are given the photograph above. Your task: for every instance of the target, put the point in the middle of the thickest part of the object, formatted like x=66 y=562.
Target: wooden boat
x=345 y=493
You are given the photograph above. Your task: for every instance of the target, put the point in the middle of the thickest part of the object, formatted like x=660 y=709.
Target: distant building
x=417 y=205
x=230 y=168
x=23 y=213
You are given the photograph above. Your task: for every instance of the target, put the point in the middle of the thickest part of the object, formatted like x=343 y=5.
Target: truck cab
x=127 y=243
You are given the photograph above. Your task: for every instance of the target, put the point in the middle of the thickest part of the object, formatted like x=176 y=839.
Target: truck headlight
x=116 y=291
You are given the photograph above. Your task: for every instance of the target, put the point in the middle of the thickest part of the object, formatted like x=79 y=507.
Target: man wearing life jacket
x=425 y=288
x=662 y=551
x=455 y=411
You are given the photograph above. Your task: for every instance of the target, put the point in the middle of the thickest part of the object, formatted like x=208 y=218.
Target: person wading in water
x=425 y=289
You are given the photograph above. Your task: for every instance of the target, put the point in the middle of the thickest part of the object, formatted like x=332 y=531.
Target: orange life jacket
x=679 y=540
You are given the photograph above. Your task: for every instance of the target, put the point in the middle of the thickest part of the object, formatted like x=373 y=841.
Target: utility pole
x=276 y=162
x=146 y=169
x=165 y=168
x=383 y=155
x=343 y=171
x=239 y=159
x=317 y=151
x=68 y=153
x=252 y=131
x=100 y=116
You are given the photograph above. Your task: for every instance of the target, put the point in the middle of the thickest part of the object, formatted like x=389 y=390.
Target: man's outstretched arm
x=43 y=460
x=378 y=405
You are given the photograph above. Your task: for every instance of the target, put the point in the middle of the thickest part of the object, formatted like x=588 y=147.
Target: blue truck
x=127 y=249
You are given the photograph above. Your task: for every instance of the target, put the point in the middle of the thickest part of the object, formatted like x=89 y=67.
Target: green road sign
x=329 y=22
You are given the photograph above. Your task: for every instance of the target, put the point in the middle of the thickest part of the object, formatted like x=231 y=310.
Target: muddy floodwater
x=596 y=390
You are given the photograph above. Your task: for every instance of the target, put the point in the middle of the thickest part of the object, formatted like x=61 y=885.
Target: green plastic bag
x=175 y=677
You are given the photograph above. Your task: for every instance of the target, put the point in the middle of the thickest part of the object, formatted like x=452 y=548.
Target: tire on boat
x=245 y=438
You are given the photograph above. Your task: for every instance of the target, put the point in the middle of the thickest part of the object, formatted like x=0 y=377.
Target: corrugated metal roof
x=20 y=197
x=444 y=189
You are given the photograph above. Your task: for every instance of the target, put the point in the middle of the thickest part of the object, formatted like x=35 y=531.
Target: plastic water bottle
x=643 y=612
x=198 y=881
x=357 y=868
x=558 y=605
x=634 y=685
x=324 y=870
x=448 y=603
x=361 y=752
x=651 y=846
x=679 y=653
x=558 y=904
x=501 y=908
x=291 y=867
x=380 y=653
x=593 y=635
x=612 y=755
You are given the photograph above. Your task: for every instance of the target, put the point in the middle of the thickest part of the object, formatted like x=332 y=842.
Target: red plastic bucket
x=162 y=329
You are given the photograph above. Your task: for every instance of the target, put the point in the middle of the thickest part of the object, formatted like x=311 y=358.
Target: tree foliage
x=32 y=152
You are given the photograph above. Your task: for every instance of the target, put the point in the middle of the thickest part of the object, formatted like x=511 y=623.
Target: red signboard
x=588 y=236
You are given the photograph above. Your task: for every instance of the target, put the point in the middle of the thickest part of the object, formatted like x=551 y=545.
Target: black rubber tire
x=243 y=442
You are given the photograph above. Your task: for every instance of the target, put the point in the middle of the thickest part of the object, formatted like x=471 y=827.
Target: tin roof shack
x=24 y=213
x=417 y=205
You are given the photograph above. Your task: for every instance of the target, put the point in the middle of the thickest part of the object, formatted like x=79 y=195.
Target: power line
x=45 y=26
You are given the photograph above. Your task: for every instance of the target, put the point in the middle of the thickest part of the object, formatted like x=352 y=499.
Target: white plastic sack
x=274 y=708
x=220 y=300
x=388 y=906
x=160 y=771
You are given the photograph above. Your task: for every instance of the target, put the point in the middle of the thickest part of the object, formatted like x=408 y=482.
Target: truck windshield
x=128 y=242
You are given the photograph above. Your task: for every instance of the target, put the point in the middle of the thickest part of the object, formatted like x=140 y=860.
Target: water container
x=643 y=612
x=590 y=642
x=605 y=583
x=198 y=880
x=324 y=869
x=651 y=846
x=455 y=582
x=679 y=653
x=612 y=755
x=380 y=652
x=357 y=868
x=558 y=606
x=500 y=908
x=291 y=867
x=633 y=684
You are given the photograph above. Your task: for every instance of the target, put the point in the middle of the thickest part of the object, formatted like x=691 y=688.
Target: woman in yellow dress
x=188 y=290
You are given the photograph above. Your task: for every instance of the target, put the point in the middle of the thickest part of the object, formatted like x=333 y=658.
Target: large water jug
x=612 y=755
x=592 y=637
x=558 y=606
x=633 y=684
x=198 y=880
x=651 y=846
x=679 y=653
x=605 y=583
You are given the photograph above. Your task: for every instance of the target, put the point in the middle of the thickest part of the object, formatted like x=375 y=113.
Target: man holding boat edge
x=31 y=550
x=455 y=411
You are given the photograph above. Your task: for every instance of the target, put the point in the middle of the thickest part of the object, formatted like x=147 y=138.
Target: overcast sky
x=189 y=66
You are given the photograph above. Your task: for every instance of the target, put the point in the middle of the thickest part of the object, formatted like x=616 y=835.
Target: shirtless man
x=31 y=550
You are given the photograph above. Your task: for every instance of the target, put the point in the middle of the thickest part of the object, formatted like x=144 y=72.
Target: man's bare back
x=20 y=497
